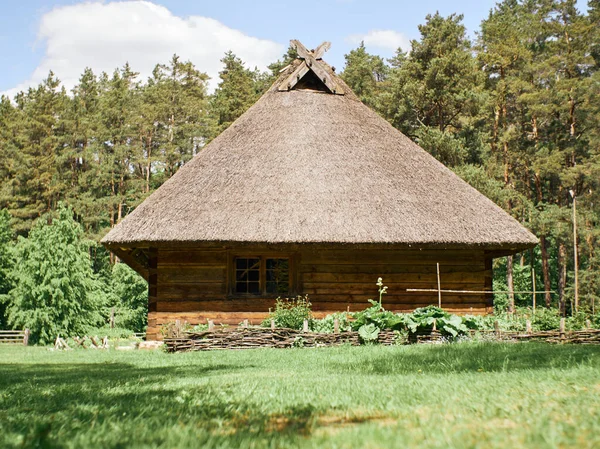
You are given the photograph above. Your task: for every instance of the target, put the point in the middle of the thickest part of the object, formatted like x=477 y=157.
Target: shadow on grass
x=44 y=404
x=486 y=357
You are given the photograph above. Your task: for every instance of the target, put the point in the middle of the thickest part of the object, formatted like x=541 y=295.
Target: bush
x=423 y=319
x=131 y=298
x=545 y=319
x=326 y=325
x=378 y=317
x=56 y=291
x=290 y=313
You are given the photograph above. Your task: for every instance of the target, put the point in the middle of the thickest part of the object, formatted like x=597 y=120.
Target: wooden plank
x=351 y=278
x=368 y=257
x=187 y=275
x=294 y=77
x=180 y=258
x=380 y=270
x=187 y=291
x=321 y=49
x=316 y=67
x=335 y=303
x=256 y=305
x=394 y=289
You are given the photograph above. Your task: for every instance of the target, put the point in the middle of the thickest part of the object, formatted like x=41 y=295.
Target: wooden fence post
x=272 y=325
x=305 y=326
x=588 y=324
x=562 y=328
x=497 y=328
x=211 y=325
x=336 y=326
x=245 y=323
x=26 y=337
x=439 y=287
x=112 y=318
x=528 y=326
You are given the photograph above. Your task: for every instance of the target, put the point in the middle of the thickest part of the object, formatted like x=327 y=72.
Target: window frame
x=263 y=256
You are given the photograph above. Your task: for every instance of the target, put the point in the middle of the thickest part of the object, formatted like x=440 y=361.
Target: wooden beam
x=296 y=76
x=128 y=258
x=318 y=53
x=312 y=62
x=315 y=66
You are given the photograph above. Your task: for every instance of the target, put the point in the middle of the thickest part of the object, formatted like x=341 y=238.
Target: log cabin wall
x=193 y=285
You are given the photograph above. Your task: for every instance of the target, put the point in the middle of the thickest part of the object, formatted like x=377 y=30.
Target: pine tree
x=35 y=144
x=435 y=91
x=235 y=94
x=56 y=291
x=6 y=263
x=173 y=122
x=364 y=73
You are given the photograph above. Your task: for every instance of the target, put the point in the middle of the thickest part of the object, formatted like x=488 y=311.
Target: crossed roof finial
x=312 y=62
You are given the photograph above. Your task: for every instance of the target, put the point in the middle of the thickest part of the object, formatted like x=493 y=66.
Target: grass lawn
x=468 y=395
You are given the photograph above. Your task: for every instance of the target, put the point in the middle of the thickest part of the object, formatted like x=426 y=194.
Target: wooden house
x=311 y=192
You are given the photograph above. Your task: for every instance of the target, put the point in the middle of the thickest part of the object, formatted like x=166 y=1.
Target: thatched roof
x=306 y=165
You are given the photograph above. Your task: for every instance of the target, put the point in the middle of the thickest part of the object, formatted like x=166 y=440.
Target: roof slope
x=307 y=166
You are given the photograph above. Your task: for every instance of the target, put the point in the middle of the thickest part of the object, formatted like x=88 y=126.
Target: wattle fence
x=255 y=337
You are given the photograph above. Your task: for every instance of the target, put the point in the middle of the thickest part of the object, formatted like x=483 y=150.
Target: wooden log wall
x=192 y=284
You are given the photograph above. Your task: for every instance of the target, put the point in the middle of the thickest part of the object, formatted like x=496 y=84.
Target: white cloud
x=105 y=36
x=383 y=39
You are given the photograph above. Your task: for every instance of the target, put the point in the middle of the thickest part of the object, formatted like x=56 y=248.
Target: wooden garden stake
x=439 y=286
x=533 y=282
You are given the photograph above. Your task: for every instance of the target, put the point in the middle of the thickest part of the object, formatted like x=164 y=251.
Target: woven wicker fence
x=248 y=338
x=251 y=338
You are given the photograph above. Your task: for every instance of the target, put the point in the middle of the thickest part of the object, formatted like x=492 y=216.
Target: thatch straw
x=307 y=166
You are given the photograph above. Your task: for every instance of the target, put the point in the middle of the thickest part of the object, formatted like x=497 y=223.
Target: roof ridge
x=313 y=68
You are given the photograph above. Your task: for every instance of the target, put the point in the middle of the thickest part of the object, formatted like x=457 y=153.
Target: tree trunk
x=546 y=271
x=562 y=277
x=511 y=284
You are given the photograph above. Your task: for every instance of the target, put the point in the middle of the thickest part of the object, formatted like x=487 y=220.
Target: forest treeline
x=515 y=112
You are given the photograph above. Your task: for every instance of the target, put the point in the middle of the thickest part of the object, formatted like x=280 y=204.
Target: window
x=261 y=276
x=247 y=276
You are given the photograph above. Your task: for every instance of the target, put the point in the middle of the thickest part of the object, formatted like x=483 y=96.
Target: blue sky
x=67 y=35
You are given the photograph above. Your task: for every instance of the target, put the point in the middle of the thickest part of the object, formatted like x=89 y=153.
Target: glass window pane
x=241 y=263
x=253 y=287
x=241 y=287
x=277 y=272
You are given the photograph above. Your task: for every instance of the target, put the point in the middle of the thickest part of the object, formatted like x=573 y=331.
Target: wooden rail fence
x=14 y=337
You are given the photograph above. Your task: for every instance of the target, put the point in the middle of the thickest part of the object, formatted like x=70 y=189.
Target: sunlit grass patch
x=456 y=395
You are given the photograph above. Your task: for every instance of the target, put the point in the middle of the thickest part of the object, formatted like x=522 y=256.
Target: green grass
x=468 y=395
